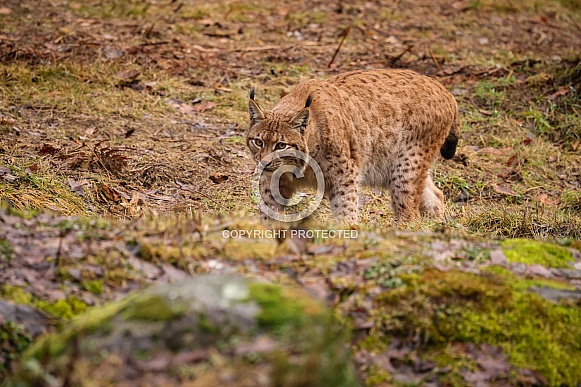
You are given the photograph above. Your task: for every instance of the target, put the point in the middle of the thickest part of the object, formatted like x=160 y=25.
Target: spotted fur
x=380 y=128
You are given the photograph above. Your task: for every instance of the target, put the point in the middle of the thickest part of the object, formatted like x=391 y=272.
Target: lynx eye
x=257 y=142
x=281 y=146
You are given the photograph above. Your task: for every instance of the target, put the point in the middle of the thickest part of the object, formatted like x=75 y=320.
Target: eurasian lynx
x=380 y=128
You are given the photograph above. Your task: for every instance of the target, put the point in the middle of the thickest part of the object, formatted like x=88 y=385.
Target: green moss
x=152 y=308
x=377 y=376
x=13 y=341
x=372 y=343
x=5 y=250
x=16 y=295
x=243 y=249
x=439 y=308
x=531 y=252
x=67 y=309
x=283 y=307
x=94 y=286
x=207 y=326
x=521 y=284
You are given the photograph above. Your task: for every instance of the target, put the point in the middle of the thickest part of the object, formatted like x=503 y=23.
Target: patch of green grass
x=491 y=94
x=571 y=201
x=75 y=88
x=42 y=189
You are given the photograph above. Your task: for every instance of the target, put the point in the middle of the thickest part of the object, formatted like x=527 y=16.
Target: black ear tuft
x=252 y=93
x=309 y=100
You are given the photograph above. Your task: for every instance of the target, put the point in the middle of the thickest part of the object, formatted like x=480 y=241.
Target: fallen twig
x=343 y=37
x=434 y=59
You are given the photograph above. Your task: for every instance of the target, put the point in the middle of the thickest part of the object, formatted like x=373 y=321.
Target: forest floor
x=130 y=116
x=120 y=108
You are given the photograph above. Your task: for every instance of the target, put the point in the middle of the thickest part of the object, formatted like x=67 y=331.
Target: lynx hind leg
x=406 y=195
x=432 y=200
x=408 y=180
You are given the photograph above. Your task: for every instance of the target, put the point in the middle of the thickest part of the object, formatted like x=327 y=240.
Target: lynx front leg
x=269 y=195
x=344 y=194
x=344 y=205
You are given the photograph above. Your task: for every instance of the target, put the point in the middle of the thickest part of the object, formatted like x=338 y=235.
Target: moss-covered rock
x=537 y=252
x=210 y=330
x=439 y=308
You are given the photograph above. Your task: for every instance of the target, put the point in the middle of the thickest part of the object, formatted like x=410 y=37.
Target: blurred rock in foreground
x=210 y=330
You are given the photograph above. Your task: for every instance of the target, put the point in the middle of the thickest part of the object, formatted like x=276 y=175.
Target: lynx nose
x=264 y=164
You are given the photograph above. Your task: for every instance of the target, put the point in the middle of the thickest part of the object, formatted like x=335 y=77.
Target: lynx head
x=270 y=132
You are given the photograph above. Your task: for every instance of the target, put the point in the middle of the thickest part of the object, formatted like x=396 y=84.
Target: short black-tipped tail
x=448 y=150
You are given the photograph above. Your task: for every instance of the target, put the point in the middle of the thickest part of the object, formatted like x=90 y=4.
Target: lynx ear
x=301 y=120
x=254 y=111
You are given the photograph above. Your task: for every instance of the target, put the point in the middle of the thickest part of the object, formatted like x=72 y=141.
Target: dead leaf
x=159 y=363
x=575 y=145
x=48 y=149
x=218 y=178
x=5 y=11
x=77 y=186
x=563 y=90
x=181 y=106
x=493 y=151
x=33 y=168
x=544 y=199
x=109 y=194
x=262 y=344
x=504 y=190
x=6 y=174
x=506 y=172
x=486 y=112
x=203 y=106
x=512 y=161
x=112 y=53
x=128 y=75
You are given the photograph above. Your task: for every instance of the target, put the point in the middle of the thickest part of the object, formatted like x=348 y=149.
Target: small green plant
x=389 y=274
x=13 y=341
x=5 y=250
